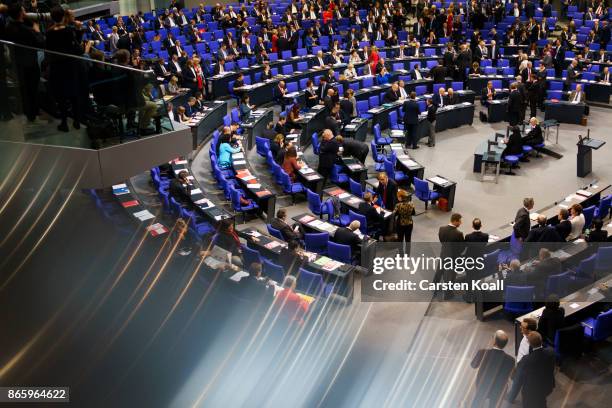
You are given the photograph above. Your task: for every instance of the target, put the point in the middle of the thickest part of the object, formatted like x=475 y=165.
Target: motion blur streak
x=45 y=232
x=18 y=186
x=348 y=351
x=33 y=201
x=13 y=169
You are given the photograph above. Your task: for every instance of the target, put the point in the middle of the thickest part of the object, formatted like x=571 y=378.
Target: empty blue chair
x=559 y=284
x=379 y=164
x=603 y=210
x=367 y=82
x=355 y=188
x=362 y=110
x=262 y=145
x=393 y=123
x=603 y=261
x=336 y=219
x=314 y=203
x=289 y=186
x=598 y=328
x=292 y=87
x=556 y=86
x=312 y=283
x=588 y=213
x=316 y=242
x=235 y=115
x=238 y=207
x=378 y=137
x=316 y=146
x=585 y=273
x=363 y=224
x=340 y=252
x=396 y=175
x=273 y=271
x=249 y=255
x=423 y=193
x=420 y=90
x=457 y=86
x=274 y=232
x=518 y=299
x=337 y=176
x=175 y=207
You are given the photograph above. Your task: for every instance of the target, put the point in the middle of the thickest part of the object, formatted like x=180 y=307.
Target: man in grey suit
x=522 y=224
x=572 y=73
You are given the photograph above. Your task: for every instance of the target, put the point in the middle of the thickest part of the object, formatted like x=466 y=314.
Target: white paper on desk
x=593 y=291
x=144 y=215
x=240 y=162
x=344 y=195
x=239 y=275
x=574 y=305
x=584 y=193
x=534 y=216
x=254 y=233
x=306 y=170
x=238 y=155
x=396 y=145
x=118 y=186
x=564 y=206
x=179 y=170
x=180 y=162
x=438 y=180
x=572 y=197
x=254 y=185
x=196 y=191
x=493 y=238
x=316 y=223
x=247 y=178
x=411 y=163
x=350 y=127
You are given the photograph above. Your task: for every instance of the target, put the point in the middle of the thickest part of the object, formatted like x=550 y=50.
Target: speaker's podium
x=585 y=154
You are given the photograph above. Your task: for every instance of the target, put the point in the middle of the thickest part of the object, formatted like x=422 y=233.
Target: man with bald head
x=494 y=369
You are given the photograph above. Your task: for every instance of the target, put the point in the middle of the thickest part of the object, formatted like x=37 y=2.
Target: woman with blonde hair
x=402 y=214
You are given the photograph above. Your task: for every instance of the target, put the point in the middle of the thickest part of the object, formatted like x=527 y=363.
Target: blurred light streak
x=18 y=186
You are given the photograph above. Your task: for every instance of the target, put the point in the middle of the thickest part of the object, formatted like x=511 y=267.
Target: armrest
x=585 y=324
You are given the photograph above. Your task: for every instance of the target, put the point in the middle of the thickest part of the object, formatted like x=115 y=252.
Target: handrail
x=85 y=59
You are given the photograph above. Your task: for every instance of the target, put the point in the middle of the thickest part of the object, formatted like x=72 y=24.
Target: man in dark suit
x=452 y=241
x=476 y=239
x=438 y=73
x=328 y=154
x=411 y=120
x=564 y=227
x=374 y=219
x=179 y=189
x=254 y=285
x=534 y=133
x=522 y=223
x=280 y=223
x=219 y=67
x=353 y=148
x=543 y=232
x=515 y=105
x=386 y=191
x=161 y=70
x=348 y=236
x=535 y=374
x=545 y=266
x=323 y=89
x=392 y=93
x=416 y=73
x=331 y=121
x=494 y=369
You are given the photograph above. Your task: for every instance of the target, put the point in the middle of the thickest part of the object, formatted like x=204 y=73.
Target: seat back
x=274 y=232
x=377 y=157
x=490 y=262
x=389 y=169
x=309 y=283
x=519 y=299
x=603 y=260
x=588 y=213
x=339 y=252
x=604 y=207
x=363 y=224
x=559 y=284
x=314 y=201
x=262 y=145
x=273 y=271
x=421 y=188
x=355 y=188
x=316 y=146
x=316 y=242
x=250 y=255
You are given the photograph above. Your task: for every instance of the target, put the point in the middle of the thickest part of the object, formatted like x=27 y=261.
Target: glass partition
x=82 y=101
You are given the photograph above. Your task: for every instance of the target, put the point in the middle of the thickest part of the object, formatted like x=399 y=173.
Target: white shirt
x=403 y=93
x=577 y=226
x=417 y=73
x=523 y=349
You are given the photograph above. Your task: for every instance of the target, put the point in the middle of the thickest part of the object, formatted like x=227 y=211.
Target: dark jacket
x=534 y=137
x=179 y=192
x=564 y=228
x=285 y=229
x=522 y=223
x=328 y=155
x=534 y=377
x=373 y=218
x=389 y=196
x=545 y=233
x=494 y=369
x=549 y=322
x=411 y=112
x=514 y=145
x=450 y=235
x=345 y=236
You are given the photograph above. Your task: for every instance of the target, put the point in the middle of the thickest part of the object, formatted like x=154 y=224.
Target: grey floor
x=402 y=349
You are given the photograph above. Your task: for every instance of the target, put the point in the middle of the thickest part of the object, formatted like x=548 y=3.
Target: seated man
x=179 y=189
x=374 y=219
x=280 y=223
x=349 y=236
x=488 y=94
x=578 y=96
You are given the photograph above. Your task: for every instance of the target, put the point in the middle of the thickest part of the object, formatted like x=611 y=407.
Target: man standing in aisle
x=411 y=121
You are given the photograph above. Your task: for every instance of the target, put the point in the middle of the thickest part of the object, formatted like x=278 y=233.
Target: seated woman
x=181 y=116
x=514 y=143
x=475 y=70
x=245 y=108
x=277 y=145
x=350 y=72
x=382 y=76
x=173 y=86
x=293 y=117
x=225 y=152
x=534 y=135
x=291 y=163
